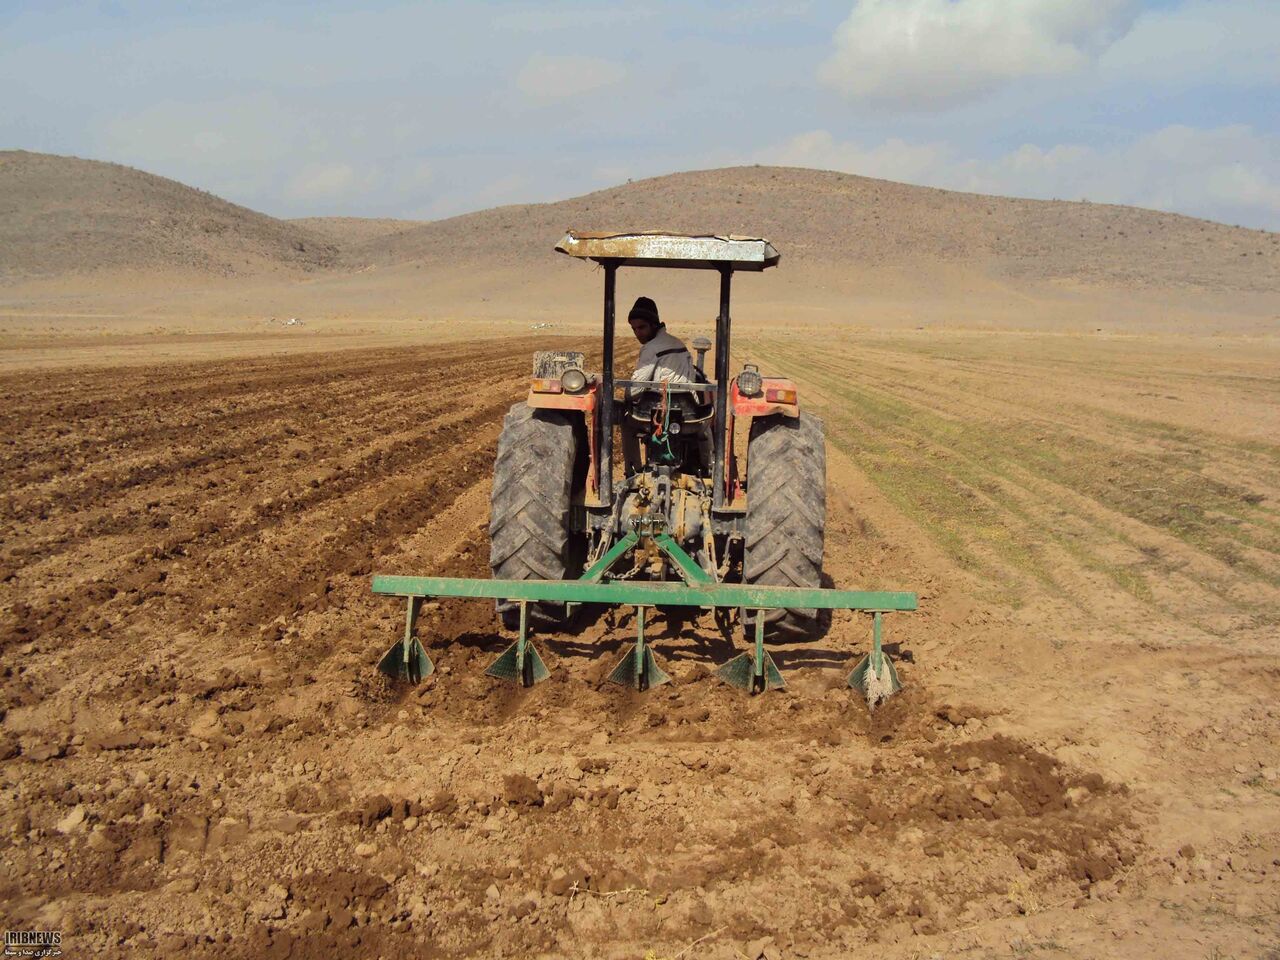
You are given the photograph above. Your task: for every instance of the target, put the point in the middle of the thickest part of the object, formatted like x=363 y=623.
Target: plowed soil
x=199 y=759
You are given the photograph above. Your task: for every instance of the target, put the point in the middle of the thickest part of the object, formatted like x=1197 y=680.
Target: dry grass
x=1053 y=493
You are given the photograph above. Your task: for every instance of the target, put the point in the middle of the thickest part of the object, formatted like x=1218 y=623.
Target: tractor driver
x=662 y=357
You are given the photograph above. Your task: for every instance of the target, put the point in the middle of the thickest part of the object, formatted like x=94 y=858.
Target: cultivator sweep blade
x=407 y=660
x=753 y=672
x=754 y=676
x=412 y=666
x=874 y=676
x=639 y=668
x=526 y=669
x=520 y=662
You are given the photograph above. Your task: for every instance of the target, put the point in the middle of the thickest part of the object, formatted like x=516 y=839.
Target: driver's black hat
x=646 y=309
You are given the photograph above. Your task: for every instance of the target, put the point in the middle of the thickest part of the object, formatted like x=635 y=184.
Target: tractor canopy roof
x=704 y=251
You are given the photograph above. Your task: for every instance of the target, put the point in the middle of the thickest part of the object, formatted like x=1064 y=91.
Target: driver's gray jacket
x=663 y=358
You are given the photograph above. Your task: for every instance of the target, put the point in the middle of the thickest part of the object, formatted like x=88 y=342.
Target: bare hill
x=63 y=215
x=350 y=231
x=840 y=220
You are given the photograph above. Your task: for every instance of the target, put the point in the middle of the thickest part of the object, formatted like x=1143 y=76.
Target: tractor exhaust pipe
x=701 y=345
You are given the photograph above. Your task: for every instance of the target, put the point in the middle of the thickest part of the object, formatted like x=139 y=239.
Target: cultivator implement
x=753 y=671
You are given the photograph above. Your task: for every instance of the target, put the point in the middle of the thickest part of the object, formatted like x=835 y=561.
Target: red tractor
x=558 y=505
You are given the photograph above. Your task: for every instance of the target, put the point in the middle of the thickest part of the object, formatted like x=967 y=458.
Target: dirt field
x=199 y=758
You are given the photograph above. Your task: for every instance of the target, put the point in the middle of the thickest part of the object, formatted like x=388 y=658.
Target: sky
x=427 y=110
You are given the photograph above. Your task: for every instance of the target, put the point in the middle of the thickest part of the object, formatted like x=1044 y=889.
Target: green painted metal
x=411 y=667
x=640 y=673
x=407 y=659
x=740 y=672
x=753 y=672
x=689 y=570
x=601 y=566
x=520 y=662
x=648 y=594
x=507 y=666
x=639 y=667
x=874 y=676
x=688 y=567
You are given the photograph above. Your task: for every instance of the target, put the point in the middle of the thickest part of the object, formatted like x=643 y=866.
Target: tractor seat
x=642 y=406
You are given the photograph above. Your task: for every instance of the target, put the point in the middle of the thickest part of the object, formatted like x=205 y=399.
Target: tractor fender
x=587 y=401
x=785 y=399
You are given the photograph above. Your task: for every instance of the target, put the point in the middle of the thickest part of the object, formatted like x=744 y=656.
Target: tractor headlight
x=749 y=382
x=573 y=380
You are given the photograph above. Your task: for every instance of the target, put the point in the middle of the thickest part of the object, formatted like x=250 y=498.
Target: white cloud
x=933 y=54
x=1229 y=173
x=1214 y=41
x=547 y=79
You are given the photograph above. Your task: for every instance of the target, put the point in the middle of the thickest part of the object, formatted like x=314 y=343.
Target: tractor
x=688 y=523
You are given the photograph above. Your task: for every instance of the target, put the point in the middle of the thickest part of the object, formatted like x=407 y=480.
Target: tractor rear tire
x=786 y=515
x=530 y=533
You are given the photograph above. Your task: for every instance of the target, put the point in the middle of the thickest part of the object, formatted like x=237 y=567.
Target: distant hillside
x=350 y=231
x=62 y=215
x=841 y=220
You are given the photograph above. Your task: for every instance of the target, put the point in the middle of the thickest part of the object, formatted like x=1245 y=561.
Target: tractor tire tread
x=530 y=537
x=786 y=514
